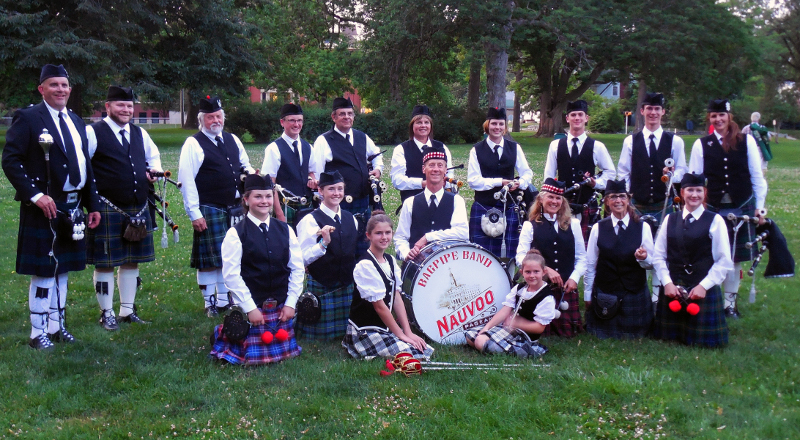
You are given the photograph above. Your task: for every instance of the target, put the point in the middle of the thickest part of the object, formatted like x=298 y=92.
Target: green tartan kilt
x=105 y=246
x=334 y=303
x=207 y=245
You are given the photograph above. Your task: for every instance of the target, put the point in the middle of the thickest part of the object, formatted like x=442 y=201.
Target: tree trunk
x=75 y=101
x=496 y=65
x=395 y=83
x=191 y=113
x=639 y=100
x=515 y=123
x=474 y=89
x=553 y=80
x=550 y=121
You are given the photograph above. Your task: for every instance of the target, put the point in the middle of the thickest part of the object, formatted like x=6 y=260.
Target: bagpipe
x=71 y=223
x=376 y=185
x=579 y=208
x=290 y=197
x=672 y=193
x=770 y=238
x=157 y=199
x=455 y=184
x=493 y=222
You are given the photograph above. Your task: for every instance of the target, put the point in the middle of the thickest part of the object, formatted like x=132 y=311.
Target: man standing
x=347 y=150
x=210 y=169
x=50 y=242
x=433 y=214
x=122 y=155
x=575 y=158
x=761 y=134
x=290 y=162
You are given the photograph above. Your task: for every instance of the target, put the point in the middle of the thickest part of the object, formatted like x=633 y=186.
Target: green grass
x=155 y=381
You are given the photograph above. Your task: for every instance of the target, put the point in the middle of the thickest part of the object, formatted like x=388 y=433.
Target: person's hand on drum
x=554 y=277
x=570 y=285
x=414 y=340
x=414 y=251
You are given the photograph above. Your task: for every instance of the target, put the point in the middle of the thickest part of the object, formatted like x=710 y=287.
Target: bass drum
x=453 y=286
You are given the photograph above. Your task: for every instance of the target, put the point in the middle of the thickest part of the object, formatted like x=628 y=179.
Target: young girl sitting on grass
x=372 y=331
x=527 y=310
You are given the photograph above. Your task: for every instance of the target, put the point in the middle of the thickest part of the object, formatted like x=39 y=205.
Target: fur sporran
x=134 y=228
x=493 y=223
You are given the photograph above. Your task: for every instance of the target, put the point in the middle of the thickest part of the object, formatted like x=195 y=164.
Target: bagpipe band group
x=299 y=249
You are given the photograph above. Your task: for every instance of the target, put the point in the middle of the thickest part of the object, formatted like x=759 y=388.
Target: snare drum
x=453 y=286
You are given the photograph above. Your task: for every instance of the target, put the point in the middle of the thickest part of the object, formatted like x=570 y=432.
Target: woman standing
x=552 y=230
x=620 y=249
x=493 y=163
x=692 y=256
x=732 y=163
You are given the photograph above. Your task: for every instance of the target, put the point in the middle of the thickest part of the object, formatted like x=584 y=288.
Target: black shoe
x=62 y=336
x=41 y=342
x=108 y=322
x=211 y=311
x=732 y=313
x=133 y=318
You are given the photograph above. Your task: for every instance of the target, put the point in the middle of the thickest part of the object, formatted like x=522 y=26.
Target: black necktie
x=497 y=152
x=264 y=230
x=336 y=219
x=347 y=137
x=432 y=206
x=574 y=150
x=297 y=152
x=688 y=220
x=653 y=152
x=125 y=144
x=220 y=144
x=621 y=227
x=69 y=149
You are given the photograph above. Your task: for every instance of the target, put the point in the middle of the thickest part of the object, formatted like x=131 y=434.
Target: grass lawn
x=156 y=382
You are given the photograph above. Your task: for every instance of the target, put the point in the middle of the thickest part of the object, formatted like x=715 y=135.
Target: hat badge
x=219 y=103
x=727 y=106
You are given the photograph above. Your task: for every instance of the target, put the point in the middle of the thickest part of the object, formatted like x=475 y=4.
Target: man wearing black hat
x=52 y=201
x=290 y=161
x=346 y=150
x=574 y=158
x=211 y=164
x=433 y=214
x=122 y=154
x=406 y=171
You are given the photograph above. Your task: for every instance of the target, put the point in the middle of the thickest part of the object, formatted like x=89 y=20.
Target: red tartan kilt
x=570 y=322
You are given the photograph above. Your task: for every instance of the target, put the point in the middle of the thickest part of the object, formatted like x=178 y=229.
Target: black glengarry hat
x=692 y=179
x=430 y=153
x=210 y=104
x=257 y=182
x=719 y=106
x=655 y=99
x=290 y=109
x=329 y=178
x=119 y=93
x=342 y=103
x=52 y=71
x=616 y=187
x=421 y=110
x=496 y=113
x=577 y=106
x=553 y=186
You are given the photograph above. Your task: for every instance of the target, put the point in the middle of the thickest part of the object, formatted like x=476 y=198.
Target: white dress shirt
x=325 y=155
x=593 y=252
x=696 y=165
x=545 y=311
x=459 y=224
x=720 y=250
x=151 y=153
x=232 y=268
x=398 y=173
x=369 y=282
x=476 y=180
x=76 y=139
x=600 y=155
x=526 y=238
x=310 y=242
x=678 y=154
x=272 y=157
x=191 y=160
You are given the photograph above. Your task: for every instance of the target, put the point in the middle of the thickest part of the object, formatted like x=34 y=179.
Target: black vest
x=218 y=177
x=646 y=171
x=423 y=222
x=265 y=267
x=491 y=167
x=573 y=172
x=292 y=174
x=726 y=172
x=413 y=158
x=121 y=175
x=336 y=266
x=689 y=247
x=362 y=312
x=527 y=309
x=617 y=268
x=351 y=161
x=557 y=248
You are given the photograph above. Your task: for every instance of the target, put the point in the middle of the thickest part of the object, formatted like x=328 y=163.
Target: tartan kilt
x=334 y=304
x=290 y=211
x=361 y=209
x=708 y=328
x=501 y=341
x=569 y=324
x=253 y=351
x=105 y=246
x=747 y=232
x=634 y=320
x=34 y=241
x=653 y=209
x=207 y=245
x=494 y=244
x=371 y=343
x=589 y=217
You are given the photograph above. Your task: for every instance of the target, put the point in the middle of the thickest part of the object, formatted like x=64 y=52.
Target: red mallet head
x=693 y=309
x=282 y=335
x=675 y=305
x=266 y=337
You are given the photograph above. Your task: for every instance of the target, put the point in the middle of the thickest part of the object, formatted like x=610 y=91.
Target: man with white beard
x=210 y=166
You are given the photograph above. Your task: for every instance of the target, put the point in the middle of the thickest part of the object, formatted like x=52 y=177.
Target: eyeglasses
x=618 y=197
x=293 y=121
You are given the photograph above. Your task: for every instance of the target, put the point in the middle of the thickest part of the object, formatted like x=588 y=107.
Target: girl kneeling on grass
x=527 y=310
x=263 y=267
x=372 y=331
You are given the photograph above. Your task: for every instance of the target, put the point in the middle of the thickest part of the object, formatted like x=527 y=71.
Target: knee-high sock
x=104 y=290
x=222 y=291
x=127 y=283
x=207 y=282
x=58 y=302
x=731 y=285
x=39 y=303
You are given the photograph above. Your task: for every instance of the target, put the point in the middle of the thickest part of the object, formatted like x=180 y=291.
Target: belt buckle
x=270 y=304
x=72 y=197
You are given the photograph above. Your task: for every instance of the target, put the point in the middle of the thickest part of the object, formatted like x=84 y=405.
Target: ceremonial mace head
x=46 y=141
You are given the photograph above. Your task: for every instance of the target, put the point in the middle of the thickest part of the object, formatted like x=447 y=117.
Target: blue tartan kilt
x=747 y=232
x=708 y=328
x=334 y=303
x=34 y=242
x=494 y=244
x=253 y=351
x=105 y=246
x=207 y=245
x=361 y=210
x=371 y=343
x=653 y=209
x=634 y=320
